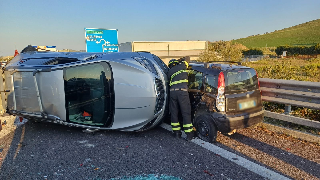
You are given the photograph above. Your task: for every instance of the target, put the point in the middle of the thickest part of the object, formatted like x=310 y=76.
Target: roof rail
x=198 y=62
x=239 y=63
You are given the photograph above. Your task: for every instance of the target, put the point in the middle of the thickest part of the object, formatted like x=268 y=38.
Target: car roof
x=215 y=68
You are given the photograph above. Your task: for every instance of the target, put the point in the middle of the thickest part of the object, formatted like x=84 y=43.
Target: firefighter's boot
x=190 y=135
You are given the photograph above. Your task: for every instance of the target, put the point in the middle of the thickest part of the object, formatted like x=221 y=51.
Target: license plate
x=247 y=104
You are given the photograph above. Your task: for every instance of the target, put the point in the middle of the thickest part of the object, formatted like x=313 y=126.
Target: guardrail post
x=287 y=109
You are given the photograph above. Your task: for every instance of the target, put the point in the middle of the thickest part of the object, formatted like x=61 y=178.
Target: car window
x=195 y=80
x=241 y=80
x=211 y=83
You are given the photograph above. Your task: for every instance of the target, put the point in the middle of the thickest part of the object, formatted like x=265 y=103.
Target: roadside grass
x=288 y=69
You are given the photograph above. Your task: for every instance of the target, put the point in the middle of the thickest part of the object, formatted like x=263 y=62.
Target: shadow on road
x=11 y=144
x=297 y=161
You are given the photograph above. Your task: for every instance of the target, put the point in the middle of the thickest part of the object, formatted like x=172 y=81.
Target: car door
x=89 y=94
x=195 y=88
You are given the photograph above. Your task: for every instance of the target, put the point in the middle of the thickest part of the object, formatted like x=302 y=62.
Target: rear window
x=241 y=80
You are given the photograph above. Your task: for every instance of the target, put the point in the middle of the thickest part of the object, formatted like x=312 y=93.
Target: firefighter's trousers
x=180 y=100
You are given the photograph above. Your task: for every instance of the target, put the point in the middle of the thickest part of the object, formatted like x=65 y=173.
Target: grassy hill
x=305 y=34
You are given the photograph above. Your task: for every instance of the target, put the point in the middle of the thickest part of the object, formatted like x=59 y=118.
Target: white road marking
x=251 y=166
x=166 y=126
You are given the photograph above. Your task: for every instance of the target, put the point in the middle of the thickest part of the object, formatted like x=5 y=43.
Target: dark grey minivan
x=224 y=97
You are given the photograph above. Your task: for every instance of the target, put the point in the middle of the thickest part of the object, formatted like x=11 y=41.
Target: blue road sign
x=101 y=40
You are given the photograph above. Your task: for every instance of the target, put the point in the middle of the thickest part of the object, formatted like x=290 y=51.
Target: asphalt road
x=50 y=151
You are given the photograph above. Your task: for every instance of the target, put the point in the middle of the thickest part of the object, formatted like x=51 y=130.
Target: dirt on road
x=6 y=135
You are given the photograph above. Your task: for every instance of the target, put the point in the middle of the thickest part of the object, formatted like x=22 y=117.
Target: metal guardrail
x=252 y=58
x=291 y=92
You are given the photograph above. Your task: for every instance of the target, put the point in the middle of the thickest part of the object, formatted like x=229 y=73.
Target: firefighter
x=179 y=97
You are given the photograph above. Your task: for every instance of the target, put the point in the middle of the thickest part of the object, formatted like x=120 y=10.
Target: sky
x=61 y=23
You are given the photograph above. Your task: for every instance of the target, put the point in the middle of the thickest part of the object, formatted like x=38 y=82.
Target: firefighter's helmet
x=172 y=63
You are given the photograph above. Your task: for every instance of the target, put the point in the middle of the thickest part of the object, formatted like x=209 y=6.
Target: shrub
x=222 y=51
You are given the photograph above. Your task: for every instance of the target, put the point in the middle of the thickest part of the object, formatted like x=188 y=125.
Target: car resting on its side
x=124 y=91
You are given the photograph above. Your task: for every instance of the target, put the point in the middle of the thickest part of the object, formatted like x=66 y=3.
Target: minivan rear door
x=242 y=90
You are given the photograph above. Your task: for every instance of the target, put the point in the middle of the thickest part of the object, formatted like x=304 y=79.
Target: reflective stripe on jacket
x=178 y=76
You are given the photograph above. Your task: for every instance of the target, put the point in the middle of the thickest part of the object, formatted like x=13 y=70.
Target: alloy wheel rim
x=203 y=130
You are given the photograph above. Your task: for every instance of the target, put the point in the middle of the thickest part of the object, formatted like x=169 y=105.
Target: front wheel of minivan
x=206 y=129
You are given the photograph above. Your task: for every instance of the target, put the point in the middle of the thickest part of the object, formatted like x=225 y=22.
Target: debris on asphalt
x=18 y=121
x=147 y=177
x=57 y=174
x=207 y=172
x=90 y=131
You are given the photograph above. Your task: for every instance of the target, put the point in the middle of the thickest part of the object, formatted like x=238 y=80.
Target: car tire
x=206 y=129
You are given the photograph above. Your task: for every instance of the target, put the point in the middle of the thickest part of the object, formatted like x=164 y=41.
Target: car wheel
x=206 y=129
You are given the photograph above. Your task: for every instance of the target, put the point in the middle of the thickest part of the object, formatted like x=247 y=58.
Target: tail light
x=220 y=102
x=258 y=82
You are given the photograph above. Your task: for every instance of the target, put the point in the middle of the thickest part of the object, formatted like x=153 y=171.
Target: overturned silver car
x=125 y=91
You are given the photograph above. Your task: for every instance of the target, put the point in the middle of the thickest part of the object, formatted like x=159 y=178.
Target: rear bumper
x=229 y=123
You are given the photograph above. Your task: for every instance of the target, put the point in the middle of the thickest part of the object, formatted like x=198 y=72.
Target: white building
x=167 y=50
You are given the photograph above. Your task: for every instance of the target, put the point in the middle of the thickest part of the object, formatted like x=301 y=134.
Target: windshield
x=241 y=80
